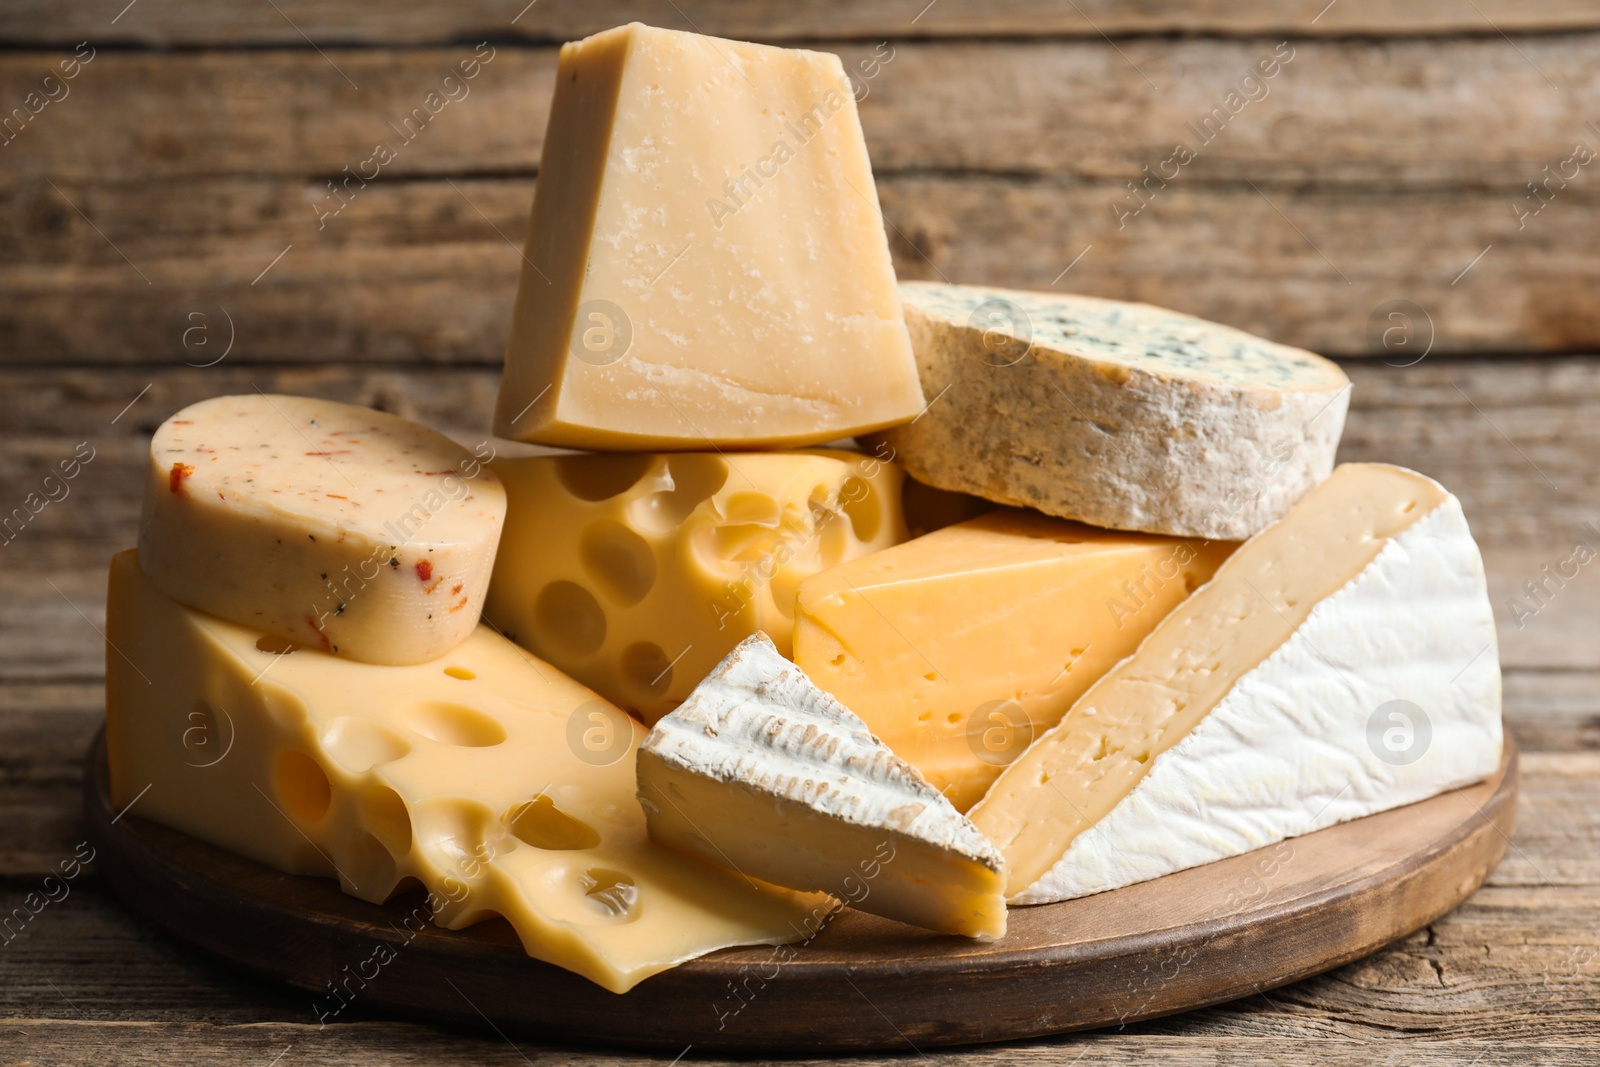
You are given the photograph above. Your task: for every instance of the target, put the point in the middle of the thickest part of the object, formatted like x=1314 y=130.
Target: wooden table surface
x=179 y=221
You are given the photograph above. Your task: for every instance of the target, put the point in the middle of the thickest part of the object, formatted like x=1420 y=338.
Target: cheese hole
x=621 y=562
x=371 y=868
x=358 y=745
x=693 y=479
x=390 y=820
x=611 y=893
x=954 y=716
x=543 y=825
x=570 y=619
x=647 y=667
x=275 y=645
x=600 y=477
x=1411 y=506
x=460 y=672
x=837 y=661
x=455 y=724
x=863 y=506
x=302 y=786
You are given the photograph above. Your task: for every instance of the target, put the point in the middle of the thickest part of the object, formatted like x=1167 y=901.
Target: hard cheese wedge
x=706 y=263
x=504 y=787
x=323 y=524
x=1341 y=663
x=1122 y=415
x=962 y=646
x=637 y=573
x=761 y=771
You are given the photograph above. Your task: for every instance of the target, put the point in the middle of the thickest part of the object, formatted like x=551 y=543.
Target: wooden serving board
x=1198 y=937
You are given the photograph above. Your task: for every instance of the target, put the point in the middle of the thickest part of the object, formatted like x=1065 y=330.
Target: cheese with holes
x=962 y=646
x=762 y=772
x=635 y=574
x=505 y=788
x=706 y=264
x=1122 y=415
x=323 y=524
x=1341 y=663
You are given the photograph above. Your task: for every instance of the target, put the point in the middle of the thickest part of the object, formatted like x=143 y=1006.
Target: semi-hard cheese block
x=1121 y=415
x=637 y=573
x=762 y=772
x=1341 y=663
x=962 y=646
x=324 y=524
x=706 y=263
x=505 y=788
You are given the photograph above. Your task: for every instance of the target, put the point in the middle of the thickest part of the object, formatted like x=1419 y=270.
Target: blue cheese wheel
x=1122 y=415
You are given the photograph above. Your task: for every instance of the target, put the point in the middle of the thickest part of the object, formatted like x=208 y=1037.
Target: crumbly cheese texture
x=637 y=573
x=1121 y=415
x=762 y=772
x=960 y=647
x=706 y=264
x=324 y=524
x=505 y=788
x=1341 y=663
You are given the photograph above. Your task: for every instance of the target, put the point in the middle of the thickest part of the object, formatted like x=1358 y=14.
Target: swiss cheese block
x=637 y=573
x=502 y=786
x=762 y=772
x=323 y=524
x=706 y=263
x=962 y=646
x=1121 y=415
x=1340 y=663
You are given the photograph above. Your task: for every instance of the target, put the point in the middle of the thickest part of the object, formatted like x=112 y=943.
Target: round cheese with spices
x=323 y=524
x=1121 y=415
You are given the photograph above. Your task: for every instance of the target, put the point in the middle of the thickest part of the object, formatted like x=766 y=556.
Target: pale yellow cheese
x=324 y=524
x=960 y=647
x=706 y=263
x=637 y=573
x=502 y=786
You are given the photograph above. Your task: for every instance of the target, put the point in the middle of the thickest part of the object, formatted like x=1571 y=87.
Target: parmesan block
x=1121 y=415
x=762 y=772
x=706 y=264
x=322 y=524
x=962 y=646
x=1341 y=663
x=637 y=573
x=502 y=786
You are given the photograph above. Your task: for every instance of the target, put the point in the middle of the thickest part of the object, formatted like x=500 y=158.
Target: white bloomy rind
x=759 y=722
x=1287 y=751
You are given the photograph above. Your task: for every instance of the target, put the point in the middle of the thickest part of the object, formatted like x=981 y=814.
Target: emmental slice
x=762 y=772
x=1120 y=415
x=962 y=646
x=706 y=264
x=1341 y=663
x=501 y=786
x=324 y=524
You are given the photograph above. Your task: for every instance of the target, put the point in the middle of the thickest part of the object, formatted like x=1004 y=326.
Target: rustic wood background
x=159 y=243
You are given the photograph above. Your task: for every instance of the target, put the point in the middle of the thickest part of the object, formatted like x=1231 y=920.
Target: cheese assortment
x=323 y=524
x=959 y=647
x=636 y=573
x=1121 y=415
x=751 y=695
x=763 y=772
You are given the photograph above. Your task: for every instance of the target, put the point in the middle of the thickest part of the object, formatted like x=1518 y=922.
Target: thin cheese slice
x=706 y=264
x=1341 y=663
x=324 y=524
x=962 y=646
x=761 y=771
x=635 y=574
x=501 y=786
x=1121 y=415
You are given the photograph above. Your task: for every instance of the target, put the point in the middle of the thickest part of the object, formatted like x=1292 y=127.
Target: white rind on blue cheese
x=761 y=771
x=1122 y=415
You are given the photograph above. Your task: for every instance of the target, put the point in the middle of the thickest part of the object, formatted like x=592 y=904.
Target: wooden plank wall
x=168 y=232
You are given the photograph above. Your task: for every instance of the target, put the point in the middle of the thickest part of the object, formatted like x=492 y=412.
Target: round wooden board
x=1199 y=937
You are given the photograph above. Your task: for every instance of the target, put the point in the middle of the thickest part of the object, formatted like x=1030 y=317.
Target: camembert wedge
x=1340 y=663
x=761 y=771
